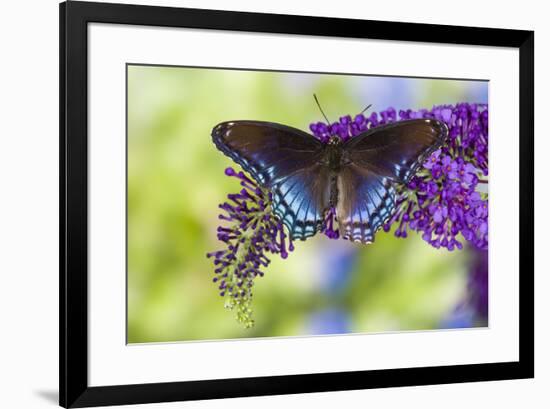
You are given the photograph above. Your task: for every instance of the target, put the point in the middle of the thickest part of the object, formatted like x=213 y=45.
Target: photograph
x=297 y=204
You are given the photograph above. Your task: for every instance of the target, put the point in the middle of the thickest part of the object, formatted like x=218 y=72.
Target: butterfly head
x=334 y=140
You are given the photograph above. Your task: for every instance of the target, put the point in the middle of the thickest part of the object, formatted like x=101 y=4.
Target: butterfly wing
x=365 y=201
x=300 y=200
x=376 y=160
x=398 y=149
x=286 y=161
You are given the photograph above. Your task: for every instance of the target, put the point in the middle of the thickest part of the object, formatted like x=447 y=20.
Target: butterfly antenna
x=367 y=107
x=321 y=109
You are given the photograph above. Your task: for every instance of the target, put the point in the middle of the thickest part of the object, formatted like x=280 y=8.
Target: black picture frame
x=73 y=379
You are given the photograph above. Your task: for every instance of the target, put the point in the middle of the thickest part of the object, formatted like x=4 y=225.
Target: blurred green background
x=176 y=181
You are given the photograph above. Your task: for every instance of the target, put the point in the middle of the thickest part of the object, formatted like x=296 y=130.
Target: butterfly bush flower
x=478 y=287
x=444 y=199
x=250 y=231
x=473 y=309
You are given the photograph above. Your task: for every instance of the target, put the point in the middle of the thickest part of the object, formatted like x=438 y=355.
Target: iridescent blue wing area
x=375 y=161
x=365 y=201
x=286 y=161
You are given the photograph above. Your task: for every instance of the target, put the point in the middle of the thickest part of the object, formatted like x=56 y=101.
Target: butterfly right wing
x=365 y=201
x=377 y=160
x=397 y=150
x=287 y=162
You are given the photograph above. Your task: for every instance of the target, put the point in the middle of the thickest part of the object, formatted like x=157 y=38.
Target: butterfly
x=307 y=177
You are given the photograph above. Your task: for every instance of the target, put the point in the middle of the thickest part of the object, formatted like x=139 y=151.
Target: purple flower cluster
x=445 y=198
x=347 y=127
x=473 y=309
x=252 y=231
x=478 y=286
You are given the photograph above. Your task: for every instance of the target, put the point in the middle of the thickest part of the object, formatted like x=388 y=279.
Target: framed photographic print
x=257 y=204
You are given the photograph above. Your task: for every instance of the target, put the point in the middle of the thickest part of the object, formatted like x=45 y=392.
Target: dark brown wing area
x=286 y=161
x=398 y=149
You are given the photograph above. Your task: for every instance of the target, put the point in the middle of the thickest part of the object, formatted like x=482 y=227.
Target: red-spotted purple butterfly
x=307 y=177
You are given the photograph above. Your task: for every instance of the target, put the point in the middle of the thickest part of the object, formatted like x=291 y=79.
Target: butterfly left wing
x=287 y=162
x=300 y=200
x=375 y=161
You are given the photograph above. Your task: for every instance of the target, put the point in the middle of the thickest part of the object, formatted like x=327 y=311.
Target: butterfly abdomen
x=333 y=200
